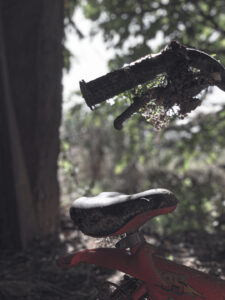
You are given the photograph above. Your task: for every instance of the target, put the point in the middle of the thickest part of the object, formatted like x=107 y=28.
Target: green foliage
x=189 y=158
x=70 y=25
x=130 y=27
x=139 y=157
x=67 y=58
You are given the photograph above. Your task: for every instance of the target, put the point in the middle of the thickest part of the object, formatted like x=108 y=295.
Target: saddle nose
x=112 y=213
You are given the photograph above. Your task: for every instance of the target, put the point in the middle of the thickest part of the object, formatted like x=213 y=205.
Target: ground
x=34 y=274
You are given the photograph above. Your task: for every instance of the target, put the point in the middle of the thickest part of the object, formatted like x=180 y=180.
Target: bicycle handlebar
x=126 y=78
x=146 y=69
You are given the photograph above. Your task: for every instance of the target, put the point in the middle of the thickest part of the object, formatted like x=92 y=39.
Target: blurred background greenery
x=186 y=157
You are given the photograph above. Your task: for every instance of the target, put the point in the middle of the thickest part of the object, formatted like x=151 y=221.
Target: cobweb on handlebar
x=168 y=96
x=153 y=111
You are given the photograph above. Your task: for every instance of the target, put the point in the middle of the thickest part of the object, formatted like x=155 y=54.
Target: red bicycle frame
x=162 y=279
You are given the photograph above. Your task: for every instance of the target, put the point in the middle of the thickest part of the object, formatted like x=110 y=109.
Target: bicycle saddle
x=112 y=213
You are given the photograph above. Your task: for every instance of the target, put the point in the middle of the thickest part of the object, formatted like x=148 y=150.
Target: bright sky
x=90 y=61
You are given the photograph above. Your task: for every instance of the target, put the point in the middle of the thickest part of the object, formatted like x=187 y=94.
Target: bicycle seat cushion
x=112 y=213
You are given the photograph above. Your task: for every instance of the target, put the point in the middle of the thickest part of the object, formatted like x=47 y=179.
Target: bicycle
x=187 y=72
x=153 y=277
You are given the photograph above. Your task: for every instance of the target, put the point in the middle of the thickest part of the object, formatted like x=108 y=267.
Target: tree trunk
x=30 y=109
